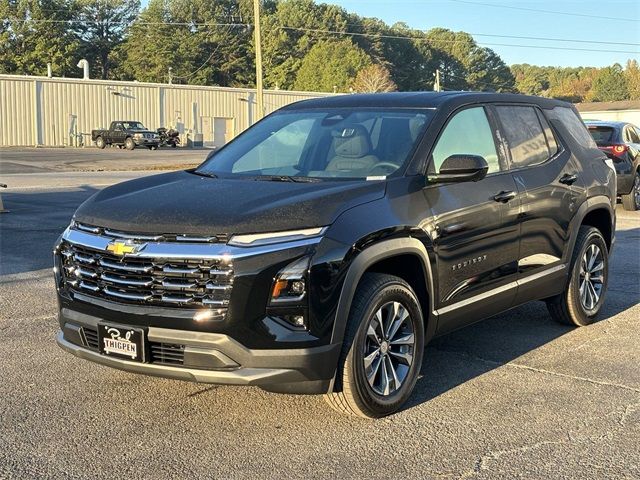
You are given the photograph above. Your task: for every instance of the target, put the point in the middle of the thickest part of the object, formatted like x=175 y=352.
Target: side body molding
x=369 y=256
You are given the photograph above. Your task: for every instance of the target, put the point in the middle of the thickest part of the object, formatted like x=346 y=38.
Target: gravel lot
x=516 y=396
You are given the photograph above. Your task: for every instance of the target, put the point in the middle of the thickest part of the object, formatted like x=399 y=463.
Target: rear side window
x=525 y=135
x=468 y=132
x=631 y=135
x=574 y=126
x=601 y=135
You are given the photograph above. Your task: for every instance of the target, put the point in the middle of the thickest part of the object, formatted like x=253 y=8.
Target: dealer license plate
x=121 y=342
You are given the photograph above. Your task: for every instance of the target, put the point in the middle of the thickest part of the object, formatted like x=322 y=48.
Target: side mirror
x=461 y=168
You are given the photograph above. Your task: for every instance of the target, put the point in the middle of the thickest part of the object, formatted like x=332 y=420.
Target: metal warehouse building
x=43 y=111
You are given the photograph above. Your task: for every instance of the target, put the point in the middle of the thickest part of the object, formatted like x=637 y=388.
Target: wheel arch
x=390 y=256
x=597 y=212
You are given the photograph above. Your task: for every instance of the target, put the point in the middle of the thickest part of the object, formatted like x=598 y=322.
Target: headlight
x=138 y=135
x=290 y=285
x=257 y=239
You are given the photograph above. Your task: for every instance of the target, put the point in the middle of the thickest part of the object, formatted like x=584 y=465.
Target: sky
x=587 y=22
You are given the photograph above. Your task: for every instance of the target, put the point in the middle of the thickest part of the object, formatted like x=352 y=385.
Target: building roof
x=608 y=106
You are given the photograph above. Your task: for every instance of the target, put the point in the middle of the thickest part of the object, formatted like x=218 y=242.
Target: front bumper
x=147 y=142
x=212 y=358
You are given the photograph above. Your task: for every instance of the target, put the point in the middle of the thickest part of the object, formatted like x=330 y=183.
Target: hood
x=185 y=203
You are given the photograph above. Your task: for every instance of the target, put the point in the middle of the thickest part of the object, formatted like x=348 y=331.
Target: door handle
x=568 y=178
x=504 y=196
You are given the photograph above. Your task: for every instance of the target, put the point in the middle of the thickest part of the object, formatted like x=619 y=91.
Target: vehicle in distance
x=320 y=250
x=128 y=134
x=621 y=142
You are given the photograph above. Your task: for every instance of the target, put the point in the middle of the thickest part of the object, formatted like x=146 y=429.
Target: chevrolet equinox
x=319 y=251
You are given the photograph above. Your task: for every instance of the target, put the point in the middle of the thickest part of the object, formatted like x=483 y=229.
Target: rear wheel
x=382 y=349
x=584 y=295
x=100 y=143
x=129 y=144
x=632 y=200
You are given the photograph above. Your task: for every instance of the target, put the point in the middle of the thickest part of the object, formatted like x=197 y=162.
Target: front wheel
x=129 y=144
x=632 y=200
x=584 y=294
x=382 y=349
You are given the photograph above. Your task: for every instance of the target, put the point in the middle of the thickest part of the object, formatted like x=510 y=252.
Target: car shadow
x=465 y=354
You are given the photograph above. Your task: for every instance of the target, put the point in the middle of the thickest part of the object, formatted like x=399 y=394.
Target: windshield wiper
x=286 y=178
x=204 y=174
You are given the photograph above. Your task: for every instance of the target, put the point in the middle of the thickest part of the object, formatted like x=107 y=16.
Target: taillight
x=615 y=149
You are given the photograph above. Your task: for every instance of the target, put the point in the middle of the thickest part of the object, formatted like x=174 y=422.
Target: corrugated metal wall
x=40 y=111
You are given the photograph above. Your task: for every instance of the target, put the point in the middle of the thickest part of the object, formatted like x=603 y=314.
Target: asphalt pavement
x=47 y=160
x=515 y=396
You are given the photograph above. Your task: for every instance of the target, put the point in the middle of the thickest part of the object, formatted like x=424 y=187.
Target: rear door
x=476 y=240
x=549 y=190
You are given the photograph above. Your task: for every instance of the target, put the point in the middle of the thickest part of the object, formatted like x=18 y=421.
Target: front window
x=133 y=126
x=336 y=143
x=467 y=133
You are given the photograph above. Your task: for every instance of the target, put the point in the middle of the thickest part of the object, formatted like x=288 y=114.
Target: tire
x=353 y=393
x=631 y=201
x=573 y=307
x=100 y=143
x=129 y=144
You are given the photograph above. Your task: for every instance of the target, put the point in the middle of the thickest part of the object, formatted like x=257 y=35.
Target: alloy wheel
x=636 y=191
x=591 y=276
x=389 y=348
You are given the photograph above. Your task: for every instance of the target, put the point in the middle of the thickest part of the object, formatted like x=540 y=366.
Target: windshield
x=336 y=143
x=133 y=126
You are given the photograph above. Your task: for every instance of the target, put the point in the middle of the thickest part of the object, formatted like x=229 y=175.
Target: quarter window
x=524 y=135
x=468 y=132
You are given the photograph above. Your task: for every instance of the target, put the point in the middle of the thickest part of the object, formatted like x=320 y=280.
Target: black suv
x=324 y=247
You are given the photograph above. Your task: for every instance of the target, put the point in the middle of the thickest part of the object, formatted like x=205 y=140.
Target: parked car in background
x=126 y=133
x=621 y=142
x=320 y=250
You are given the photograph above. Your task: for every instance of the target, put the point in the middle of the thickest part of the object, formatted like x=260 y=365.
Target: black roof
x=419 y=100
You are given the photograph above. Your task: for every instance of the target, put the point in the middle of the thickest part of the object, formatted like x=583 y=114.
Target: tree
x=632 y=77
x=34 y=33
x=373 y=79
x=610 y=85
x=331 y=65
x=101 y=26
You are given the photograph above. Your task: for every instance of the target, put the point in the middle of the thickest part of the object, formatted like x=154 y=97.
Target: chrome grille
x=128 y=279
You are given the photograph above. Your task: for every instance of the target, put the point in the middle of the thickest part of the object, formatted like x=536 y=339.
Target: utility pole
x=436 y=84
x=258 y=46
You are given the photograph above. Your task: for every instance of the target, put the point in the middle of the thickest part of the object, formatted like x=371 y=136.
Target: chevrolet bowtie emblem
x=121 y=248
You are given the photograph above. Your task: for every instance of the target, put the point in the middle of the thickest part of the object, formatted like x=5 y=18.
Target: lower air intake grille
x=167 y=353
x=163 y=353
x=91 y=336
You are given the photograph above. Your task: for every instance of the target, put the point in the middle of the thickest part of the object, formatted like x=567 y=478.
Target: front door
x=476 y=240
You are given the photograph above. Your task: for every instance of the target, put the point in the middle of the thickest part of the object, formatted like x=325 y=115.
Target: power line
x=403 y=37
x=355 y=34
x=585 y=15
x=551 y=39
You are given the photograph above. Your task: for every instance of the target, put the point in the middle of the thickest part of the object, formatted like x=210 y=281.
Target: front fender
x=369 y=256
